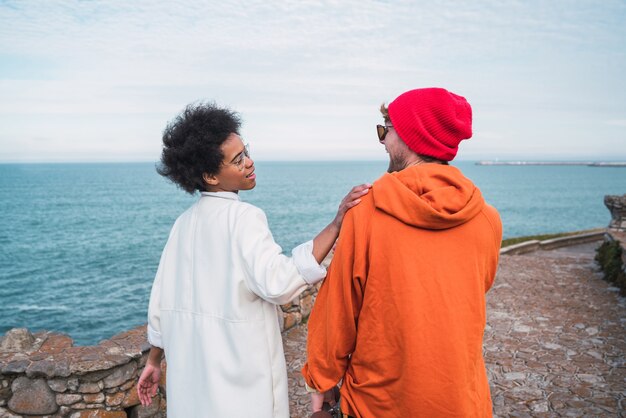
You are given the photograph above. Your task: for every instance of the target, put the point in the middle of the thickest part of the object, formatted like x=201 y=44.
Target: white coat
x=212 y=309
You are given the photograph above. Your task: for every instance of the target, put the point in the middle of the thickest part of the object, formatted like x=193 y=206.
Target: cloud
x=318 y=64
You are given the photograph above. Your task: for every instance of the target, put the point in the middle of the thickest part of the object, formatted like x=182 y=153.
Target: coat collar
x=222 y=195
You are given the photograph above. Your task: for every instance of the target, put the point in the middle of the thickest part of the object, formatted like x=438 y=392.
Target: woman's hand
x=352 y=199
x=150 y=377
x=148 y=383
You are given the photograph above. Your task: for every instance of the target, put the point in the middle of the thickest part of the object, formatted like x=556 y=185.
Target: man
x=401 y=314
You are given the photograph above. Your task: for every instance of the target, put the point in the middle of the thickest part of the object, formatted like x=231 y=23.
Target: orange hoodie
x=401 y=314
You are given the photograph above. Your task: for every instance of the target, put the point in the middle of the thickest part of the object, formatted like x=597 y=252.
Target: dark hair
x=192 y=144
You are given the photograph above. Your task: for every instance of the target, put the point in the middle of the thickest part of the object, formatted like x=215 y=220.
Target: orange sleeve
x=333 y=320
x=496 y=225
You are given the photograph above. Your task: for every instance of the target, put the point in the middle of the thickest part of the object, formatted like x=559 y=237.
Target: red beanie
x=432 y=121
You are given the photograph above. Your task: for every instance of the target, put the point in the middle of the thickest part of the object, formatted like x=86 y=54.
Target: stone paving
x=555 y=341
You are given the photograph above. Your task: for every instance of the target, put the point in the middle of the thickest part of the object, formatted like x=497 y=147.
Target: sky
x=99 y=80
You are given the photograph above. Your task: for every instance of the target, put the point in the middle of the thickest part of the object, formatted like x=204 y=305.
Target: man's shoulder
x=491 y=212
x=365 y=208
x=493 y=217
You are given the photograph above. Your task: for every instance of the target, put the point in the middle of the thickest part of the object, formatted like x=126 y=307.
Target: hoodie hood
x=430 y=196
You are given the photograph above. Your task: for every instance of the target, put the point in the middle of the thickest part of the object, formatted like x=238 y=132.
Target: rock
x=525 y=394
x=64 y=411
x=617 y=206
x=62 y=368
x=151 y=410
x=68 y=399
x=16 y=367
x=17 y=339
x=90 y=406
x=583 y=392
x=5 y=394
x=163 y=408
x=552 y=346
x=131 y=398
x=5 y=413
x=521 y=328
x=43 y=368
x=94 y=398
x=58 y=385
x=120 y=375
x=306 y=304
x=291 y=319
x=590 y=378
x=82 y=366
x=595 y=354
x=591 y=330
x=95 y=376
x=56 y=343
x=539 y=406
x=162 y=382
x=515 y=376
x=115 y=399
x=141 y=361
x=127 y=385
x=32 y=397
x=143 y=348
x=114 y=350
x=72 y=384
x=90 y=387
x=99 y=413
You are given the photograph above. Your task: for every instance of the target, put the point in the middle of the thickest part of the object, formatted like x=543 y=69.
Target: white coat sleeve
x=270 y=274
x=154 y=306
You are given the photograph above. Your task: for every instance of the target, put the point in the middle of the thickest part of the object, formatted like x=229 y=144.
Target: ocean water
x=80 y=243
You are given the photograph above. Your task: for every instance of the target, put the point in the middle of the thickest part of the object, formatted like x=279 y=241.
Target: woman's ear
x=210 y=179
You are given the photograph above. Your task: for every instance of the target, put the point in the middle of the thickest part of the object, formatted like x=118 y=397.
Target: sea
x=80 y=243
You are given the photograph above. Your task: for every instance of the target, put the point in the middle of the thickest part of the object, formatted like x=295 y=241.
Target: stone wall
x=298 y=310
x=45 y=375
x=617 y=227
x=617 y=207
x=611 y=255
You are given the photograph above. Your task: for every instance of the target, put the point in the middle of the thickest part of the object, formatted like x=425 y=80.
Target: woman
x=212 y=307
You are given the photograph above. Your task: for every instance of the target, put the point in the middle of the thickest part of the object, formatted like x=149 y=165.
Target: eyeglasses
x=382 y=132
x=240 y=159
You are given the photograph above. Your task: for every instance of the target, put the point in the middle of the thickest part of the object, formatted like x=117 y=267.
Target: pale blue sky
x=98 y=80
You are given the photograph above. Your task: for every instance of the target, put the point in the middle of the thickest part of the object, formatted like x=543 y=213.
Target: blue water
x=80 y=243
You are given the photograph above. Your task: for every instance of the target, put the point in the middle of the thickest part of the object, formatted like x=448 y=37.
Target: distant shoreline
x=584 y=163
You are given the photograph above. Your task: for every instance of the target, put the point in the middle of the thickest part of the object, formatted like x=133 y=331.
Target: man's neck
x=410 y=161
x=418 y=160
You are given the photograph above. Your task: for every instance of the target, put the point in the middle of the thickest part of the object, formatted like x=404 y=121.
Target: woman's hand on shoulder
x=352 y=199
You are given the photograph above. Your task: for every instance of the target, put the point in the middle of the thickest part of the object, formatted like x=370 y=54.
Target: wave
x=40 y=308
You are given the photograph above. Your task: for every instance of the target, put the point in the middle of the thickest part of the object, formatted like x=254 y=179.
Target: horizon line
x=263 y=160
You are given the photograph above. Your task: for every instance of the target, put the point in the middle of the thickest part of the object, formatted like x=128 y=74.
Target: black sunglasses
x=382 y=132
